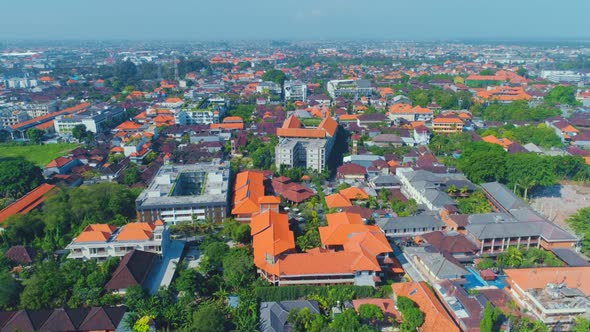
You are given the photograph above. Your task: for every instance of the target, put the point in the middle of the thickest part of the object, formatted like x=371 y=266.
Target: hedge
x=339 y=292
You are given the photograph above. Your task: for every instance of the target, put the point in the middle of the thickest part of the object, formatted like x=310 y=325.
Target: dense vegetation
x=580 y=223
x=67 y=212
x=483 y=162
x=539 y=135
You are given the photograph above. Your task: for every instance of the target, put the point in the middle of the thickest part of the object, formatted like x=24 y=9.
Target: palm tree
x=452 y=189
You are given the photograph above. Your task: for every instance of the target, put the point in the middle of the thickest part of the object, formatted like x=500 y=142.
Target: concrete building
x=554 y=295
x=352 y=88
x=295 y=90
x=102 y=241
x=305 y=147
x=179 y=192
x=93 y=118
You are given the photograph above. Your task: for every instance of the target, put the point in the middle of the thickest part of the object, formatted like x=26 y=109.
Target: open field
x=559 y=202
x=41 y=155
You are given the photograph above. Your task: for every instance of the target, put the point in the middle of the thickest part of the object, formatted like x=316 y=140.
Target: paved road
x=405 y=262
x=163 y=271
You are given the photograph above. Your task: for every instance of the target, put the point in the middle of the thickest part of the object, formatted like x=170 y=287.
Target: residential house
x=132 y=270
x=274 y=315
x=108 y=319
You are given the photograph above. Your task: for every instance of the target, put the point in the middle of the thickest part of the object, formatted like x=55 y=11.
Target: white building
x=295 y=90
x=102 y=241
x=352 y=88
x=557 y=76
x=93 y=119
x=180 y=192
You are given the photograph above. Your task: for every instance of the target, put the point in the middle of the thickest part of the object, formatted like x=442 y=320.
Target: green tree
x=303 y=320
x=487 y=321
x=142 y=324
x=207 y=318
x=562 y=95
x=581 y=325
x=215 y=253
x=370 y=312
x=131 y=175
x=347 y=321
x=238 y=269
x=18 y=176
x=79 y=132
x=528 y=170
x=275 y=75
x=482 y=162
x=9 y=291
x=412 y=316
x=35 y=135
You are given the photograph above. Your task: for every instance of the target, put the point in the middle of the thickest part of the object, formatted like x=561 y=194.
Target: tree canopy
x=274 y=75
x=18 y=177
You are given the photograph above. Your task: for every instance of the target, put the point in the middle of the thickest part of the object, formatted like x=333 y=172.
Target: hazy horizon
x=177 y=20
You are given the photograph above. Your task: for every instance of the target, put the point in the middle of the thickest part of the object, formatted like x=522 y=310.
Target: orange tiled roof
x=436 y=318
x=248 y=188
x=128 y=125
x=353 y=193
x=337 y=201
x=95 y=233
x=50 y=116
x=573 y=277
x=231 y=125
x=136 y=231
x=348 y=117
x=447 y=120
x=28 y=202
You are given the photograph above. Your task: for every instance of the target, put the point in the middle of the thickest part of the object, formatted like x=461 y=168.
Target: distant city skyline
x=295 y=19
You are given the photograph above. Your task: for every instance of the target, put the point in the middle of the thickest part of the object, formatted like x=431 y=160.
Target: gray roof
x=503 y=196
x=418 y=221
x=441 y=267
x=506 y=229
x=570 y=257
x=273 y=315
x=381 y=180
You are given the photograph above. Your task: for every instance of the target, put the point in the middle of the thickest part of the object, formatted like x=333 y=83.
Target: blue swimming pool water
x=473 y=280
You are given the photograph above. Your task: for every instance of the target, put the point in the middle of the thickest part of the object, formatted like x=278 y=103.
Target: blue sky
x=294 y=19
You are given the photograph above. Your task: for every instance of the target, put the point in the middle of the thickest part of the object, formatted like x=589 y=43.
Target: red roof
x=51 y=116
x=28 y=202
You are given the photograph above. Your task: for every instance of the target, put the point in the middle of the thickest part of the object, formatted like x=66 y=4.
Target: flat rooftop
x=182 y=185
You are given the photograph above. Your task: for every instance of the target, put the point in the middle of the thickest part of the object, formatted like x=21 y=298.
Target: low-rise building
x=102 y=241
x=183 y=192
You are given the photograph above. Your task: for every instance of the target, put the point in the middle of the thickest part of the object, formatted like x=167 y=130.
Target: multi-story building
x=269 y=87
x=558 y=76
x=447 y=125
x=102 y=241
x=10 y=116
x=351 y=252
x=39 y=109
x=351 y=88
x=305 y=147
x=295 y=90
x=93 y=119
x=183 y=192
x=556 y=296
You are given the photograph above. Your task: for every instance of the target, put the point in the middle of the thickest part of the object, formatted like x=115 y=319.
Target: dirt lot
x=559 y=202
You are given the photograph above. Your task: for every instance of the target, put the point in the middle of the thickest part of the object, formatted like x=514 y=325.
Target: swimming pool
x=473 y=280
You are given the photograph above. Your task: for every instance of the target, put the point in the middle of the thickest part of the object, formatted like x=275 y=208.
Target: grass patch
x=41 y=155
